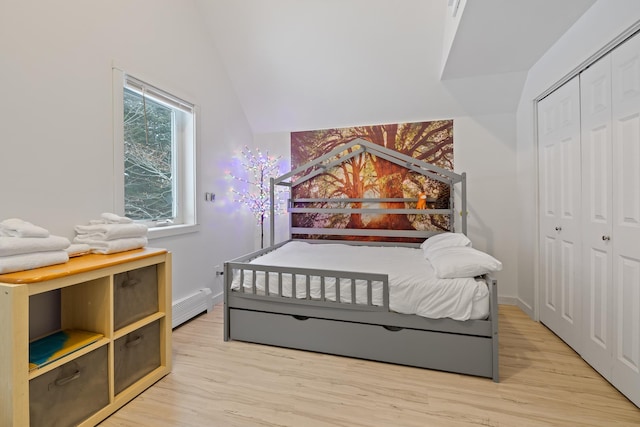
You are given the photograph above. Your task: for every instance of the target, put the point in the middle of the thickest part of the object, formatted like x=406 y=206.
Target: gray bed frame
x=348 y=328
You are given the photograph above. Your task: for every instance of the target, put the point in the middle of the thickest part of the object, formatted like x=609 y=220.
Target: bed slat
x=253 y=282
x=294 y=291
x=280 y=285
x=353 y=291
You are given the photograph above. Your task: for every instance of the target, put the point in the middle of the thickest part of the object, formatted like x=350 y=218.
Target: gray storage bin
x=71 y=393
x=136 y=354
x=135 y=295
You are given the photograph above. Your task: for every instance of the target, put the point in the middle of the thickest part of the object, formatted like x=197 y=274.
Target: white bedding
x=413 y=285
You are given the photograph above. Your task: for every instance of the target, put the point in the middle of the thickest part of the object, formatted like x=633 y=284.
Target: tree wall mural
x=365 y=176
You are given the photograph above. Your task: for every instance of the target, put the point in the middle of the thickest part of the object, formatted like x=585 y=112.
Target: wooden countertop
x=77 y=265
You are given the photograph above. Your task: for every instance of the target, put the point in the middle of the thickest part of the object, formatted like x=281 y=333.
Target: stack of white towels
x=110 y=234
x=24 y=246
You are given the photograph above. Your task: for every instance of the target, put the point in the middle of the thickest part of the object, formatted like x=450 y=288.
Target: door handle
x=606 y=238
x=558 y=228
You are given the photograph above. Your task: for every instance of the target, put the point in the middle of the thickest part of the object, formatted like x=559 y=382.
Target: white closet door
x=559 y=189
x=626 y=218
x=595 y=91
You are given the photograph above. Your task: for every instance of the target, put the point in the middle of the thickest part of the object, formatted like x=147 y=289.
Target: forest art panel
x=365 y=176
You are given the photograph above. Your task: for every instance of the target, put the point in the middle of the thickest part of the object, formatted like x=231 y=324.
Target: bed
x=362 y=298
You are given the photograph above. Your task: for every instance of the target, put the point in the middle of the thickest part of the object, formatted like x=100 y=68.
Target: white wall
x=451 y=23
x=56 y=117
x=602 y=23
x=484 y=148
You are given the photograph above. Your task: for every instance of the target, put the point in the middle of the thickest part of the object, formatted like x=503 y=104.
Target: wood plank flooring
x=215 y=383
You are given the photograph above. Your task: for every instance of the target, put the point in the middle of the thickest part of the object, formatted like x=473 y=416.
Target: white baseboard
x=189 y=307
x=508 y=300
x=529 y=311
x=218 y=299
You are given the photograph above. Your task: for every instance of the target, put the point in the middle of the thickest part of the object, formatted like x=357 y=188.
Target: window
x=154 y=154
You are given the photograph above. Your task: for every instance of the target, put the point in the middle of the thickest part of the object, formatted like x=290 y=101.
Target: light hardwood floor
x=215 y=383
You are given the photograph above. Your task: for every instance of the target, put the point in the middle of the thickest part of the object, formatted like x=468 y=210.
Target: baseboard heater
x=189 y=307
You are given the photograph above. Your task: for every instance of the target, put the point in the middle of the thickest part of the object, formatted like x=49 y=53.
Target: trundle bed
x=363 y=299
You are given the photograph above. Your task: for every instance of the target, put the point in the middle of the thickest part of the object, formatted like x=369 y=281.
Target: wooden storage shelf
x=67 y=357
x=138 y=324
x=132 y=391
x=88 y=294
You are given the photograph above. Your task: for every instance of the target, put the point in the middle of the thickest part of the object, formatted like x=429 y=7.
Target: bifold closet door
x=596 y=133
x=559 y=190
x=625 y=237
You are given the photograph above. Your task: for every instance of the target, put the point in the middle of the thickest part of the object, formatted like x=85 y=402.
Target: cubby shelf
x=125 y=297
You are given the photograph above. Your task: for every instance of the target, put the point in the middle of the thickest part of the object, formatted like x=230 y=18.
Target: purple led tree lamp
x=259 y=168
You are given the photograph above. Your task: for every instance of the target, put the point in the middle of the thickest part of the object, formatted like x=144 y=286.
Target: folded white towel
x=24 y=245
x=16 y=227
x=113 y=246
x=112 y=218
x=109 y=231
x=9 y=264
x=78 y=249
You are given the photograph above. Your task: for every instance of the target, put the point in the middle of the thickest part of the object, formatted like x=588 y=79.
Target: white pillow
x=444 y=240
x=462 y=261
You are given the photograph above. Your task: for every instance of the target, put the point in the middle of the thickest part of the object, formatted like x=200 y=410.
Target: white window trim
x=187 y=205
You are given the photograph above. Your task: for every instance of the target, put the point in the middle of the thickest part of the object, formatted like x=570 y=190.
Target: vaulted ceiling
x=310 y=64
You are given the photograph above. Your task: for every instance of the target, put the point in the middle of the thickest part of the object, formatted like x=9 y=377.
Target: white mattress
x=413 y=286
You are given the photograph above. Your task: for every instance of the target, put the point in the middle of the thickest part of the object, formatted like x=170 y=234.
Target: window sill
x=172 y=230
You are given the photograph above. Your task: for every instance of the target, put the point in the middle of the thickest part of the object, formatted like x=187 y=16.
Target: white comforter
x=413 y=286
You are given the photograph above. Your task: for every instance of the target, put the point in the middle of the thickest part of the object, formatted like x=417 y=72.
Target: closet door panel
x=569 y=256
x=549 y=214
x=549 y=221
x=628 y=172
x=629 y=318
x=599 y=271
x=549 y=278
x=626 y=218
x=626 y=360
x=559 y=161
x=596 y=134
